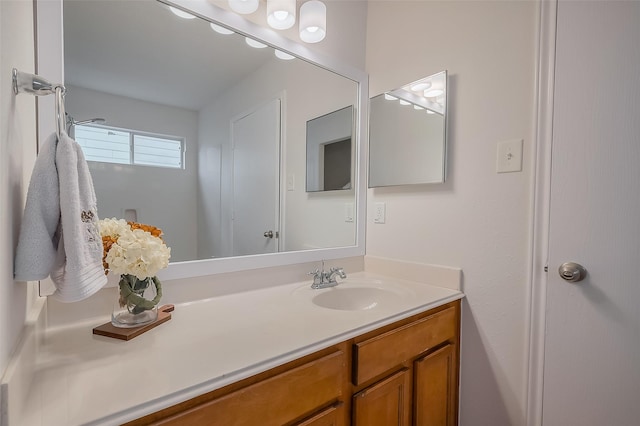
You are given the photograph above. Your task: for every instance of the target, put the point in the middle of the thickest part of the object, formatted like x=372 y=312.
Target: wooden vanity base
x=404 y=374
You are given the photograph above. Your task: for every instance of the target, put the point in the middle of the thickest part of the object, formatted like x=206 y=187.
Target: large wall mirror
x=194 y=120
x=407 y=134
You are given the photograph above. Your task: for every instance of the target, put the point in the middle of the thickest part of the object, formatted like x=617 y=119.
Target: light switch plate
x=291 y=182
x=379 y=213
x=348 y=212
x=509 y=156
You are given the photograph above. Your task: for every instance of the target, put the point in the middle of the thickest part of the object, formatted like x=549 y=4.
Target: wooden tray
x=109 y=330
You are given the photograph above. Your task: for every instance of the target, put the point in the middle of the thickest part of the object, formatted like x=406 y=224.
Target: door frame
x=541 y=197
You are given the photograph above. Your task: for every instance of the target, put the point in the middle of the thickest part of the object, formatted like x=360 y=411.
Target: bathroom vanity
x=372 y=350
x=404 y=373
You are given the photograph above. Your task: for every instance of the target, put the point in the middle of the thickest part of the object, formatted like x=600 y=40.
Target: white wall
x=478 y=220
x=311 y=219
x=163 y=197
x=17 y=154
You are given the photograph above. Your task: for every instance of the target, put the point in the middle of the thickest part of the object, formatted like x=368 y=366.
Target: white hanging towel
x=59 y=235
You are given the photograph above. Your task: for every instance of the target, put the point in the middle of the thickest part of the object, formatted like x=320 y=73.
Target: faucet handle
x=317 y=276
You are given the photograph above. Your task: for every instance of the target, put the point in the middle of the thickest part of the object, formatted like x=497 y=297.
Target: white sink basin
x=356 y=295
x=353 y=298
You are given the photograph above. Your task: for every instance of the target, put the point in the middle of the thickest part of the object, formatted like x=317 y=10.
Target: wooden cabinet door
x=386 y=403
x=434 y=389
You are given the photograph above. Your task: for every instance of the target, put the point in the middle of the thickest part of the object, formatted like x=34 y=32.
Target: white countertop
x=87 y=379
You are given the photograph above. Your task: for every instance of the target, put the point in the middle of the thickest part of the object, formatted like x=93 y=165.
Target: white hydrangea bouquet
x=137 y=252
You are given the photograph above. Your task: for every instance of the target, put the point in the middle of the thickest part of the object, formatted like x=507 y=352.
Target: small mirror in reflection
x=329 y=151
x=407 y=134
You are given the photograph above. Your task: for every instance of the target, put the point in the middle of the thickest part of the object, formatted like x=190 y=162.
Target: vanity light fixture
x=181 y=13
x=254 y=43
x=281 y=14
x=282 y=55
x=313 y=21
x=220 y=30
x=390 y=97
x=434 y=93
x=244 y=7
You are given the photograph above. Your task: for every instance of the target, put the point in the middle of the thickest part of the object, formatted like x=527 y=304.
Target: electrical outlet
x=379 y=213
x=509 y=156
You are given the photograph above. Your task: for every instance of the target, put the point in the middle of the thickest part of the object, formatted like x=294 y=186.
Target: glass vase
x=137 y=302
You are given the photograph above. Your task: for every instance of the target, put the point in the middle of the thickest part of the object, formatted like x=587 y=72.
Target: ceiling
x=141 y=50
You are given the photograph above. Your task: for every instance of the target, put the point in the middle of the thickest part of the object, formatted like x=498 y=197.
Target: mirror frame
x=50 y=64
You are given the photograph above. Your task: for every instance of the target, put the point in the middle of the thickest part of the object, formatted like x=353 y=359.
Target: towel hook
x=35 y=85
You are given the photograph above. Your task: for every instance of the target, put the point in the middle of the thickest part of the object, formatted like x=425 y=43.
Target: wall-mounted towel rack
x=34 y=84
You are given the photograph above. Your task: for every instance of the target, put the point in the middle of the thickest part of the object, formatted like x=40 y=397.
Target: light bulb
x=254 y=43
x=220 y=30
x=181 y=13
x=244 y=7
x=433 y=93
x=281 y=14
x=282 y=55
x=313 y=21
x=419 y=87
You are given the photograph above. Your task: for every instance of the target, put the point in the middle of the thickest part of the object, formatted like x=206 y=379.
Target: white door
x=592 y=347
x=256 y=180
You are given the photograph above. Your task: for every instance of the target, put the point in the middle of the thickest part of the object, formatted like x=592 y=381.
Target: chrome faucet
x=325 y=279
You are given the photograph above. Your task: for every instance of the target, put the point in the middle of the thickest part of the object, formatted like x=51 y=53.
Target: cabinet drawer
x=388 y=350
x=274 y=401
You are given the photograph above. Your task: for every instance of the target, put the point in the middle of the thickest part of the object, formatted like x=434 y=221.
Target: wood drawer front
x=386 y=351
x=274 y=401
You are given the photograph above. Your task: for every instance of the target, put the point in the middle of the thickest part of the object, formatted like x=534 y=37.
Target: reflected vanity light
x=418 y=107
x=433 y=93
x=254 y=43
x=282 y=55
x=281 y=14
x=430 y=112
x=220 y=30
x=244 y=7
x=403 y=102
x=420 y=87
x=313 y=21
x=390 y=97
x=181 y=13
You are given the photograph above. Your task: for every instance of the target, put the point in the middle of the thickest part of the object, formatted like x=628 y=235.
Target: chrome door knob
x=268 y=234
x=572 y=272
